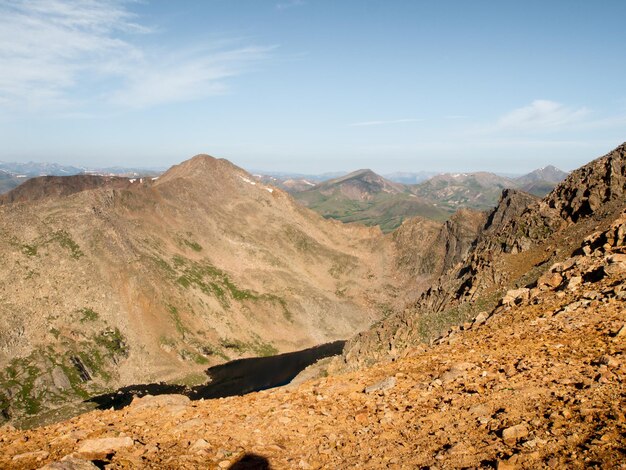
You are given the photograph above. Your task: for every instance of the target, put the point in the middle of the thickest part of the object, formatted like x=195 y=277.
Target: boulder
x=381 y=386
x=512 y=434
x=103 y=447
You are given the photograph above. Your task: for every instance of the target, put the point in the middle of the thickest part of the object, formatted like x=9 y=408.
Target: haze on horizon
x=313 y=86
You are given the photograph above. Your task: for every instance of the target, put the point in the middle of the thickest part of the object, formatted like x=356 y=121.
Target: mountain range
x=368 y=198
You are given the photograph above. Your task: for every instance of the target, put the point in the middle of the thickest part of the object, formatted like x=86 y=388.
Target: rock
x=516 y=296
x=455 y=371
x=59 y=379
x=224 y=464
x=512 y=434
x=37 y=455
x=481 y=318
x=609 y=361
x=549 y=280
x=620 y=334
x=506 y=465
x=70 y=462
x=199 y=446
x=157 y=401
x=361 y=417
x=574 y=283
x=381 y=386
x=102 y=447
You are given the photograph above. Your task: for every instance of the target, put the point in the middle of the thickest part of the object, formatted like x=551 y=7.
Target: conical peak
x=201 y=166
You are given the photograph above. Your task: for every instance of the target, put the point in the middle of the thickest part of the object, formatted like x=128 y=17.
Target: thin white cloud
x=383 y=123
x=61 y=55
x=290 y=4
x=176 y=77
x=541 y=114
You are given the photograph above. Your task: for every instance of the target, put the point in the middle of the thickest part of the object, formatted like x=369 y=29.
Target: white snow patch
x=269 y=189
x=154 y=178
x=249 y=181
x=308 y=182
x=132 y=180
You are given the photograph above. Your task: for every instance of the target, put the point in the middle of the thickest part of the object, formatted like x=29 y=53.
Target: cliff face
x=521 y=237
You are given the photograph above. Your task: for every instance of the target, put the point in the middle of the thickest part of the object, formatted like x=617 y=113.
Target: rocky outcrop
x=426 y=247
x=519 y=240
x=587 y=189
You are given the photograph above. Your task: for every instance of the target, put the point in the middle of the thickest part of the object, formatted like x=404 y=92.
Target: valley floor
x=540 y=384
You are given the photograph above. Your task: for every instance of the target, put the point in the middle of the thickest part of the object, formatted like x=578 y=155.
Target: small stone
x=574 y=283
x=224 y=464
x=284 y=420
x=199 y=446
x=70 y=462
x=609 y=361
x=512 y=434
x=381 y=386
x=505 y=465
x=516 y=296
x=550 y=280
x=361 y=417
x=481 y=318
x=37 y=455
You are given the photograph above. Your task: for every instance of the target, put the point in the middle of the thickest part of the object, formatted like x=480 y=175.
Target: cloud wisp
x=62 y=56
x=383 y=123
x=541 y=114
x=290 y=4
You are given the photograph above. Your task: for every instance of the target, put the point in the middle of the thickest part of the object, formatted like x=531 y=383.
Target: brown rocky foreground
x=538 y=382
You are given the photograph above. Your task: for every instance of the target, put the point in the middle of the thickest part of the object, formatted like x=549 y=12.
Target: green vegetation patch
x=88 y=315
x=258 y=346
x=208 y=278
x=64 y=239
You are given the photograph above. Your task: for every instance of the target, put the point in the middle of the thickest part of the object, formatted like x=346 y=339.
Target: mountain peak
x=201 y=166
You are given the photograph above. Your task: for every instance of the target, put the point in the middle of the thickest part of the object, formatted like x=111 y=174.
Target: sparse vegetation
x=64 y=239
x=88 y=315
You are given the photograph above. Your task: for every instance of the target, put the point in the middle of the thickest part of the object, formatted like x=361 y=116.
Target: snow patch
x=269 y=189
x=132 y=180
x=249 y=181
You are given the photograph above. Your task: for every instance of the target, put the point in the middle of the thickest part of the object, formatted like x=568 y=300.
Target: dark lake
x=232 y=378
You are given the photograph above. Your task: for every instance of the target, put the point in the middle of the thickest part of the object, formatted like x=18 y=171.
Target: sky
x=313 y=86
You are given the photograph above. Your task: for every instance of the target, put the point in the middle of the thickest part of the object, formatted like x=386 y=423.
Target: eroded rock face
x=587 y=189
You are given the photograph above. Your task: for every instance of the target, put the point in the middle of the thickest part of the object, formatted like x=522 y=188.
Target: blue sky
x=313 y=85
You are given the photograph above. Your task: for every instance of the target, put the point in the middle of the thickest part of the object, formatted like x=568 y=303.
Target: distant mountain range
x=366 y=197
x=361 y=196
x=12 y=174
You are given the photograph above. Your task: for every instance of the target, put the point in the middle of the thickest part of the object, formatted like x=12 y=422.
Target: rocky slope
x=538 y=382
x=105 y=282
x=42 y=187
x=521 y=238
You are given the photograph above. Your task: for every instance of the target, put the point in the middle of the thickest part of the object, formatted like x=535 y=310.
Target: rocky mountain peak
x=201 y=166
